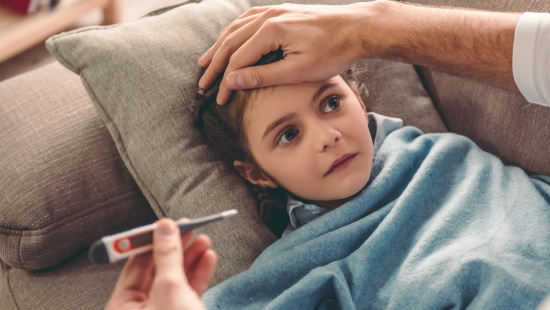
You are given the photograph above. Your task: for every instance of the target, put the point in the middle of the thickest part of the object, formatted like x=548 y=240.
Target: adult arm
x=320 y=42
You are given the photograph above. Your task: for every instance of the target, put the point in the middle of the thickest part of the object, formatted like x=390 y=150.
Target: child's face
x=297 y=132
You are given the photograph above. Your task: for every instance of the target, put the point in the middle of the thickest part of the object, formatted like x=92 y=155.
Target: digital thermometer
x=113 y=248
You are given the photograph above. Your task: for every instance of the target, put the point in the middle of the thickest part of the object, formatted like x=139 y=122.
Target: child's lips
x=341 y=163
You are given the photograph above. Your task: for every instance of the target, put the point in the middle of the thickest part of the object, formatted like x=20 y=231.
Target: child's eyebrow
x=287 y=117
x=322 y=89
x=277 y=123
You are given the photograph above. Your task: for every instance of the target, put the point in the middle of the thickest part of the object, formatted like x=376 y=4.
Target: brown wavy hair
x=222 y=126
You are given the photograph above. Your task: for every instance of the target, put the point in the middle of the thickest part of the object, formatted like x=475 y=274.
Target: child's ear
x=355 y=90
x=251 y=173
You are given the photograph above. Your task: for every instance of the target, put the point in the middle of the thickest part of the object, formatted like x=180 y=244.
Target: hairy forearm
x=468 y=43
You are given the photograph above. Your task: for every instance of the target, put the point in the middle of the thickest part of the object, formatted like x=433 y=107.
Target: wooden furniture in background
x=20 y=32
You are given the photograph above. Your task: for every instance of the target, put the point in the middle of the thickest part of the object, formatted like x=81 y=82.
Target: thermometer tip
x=229 y=213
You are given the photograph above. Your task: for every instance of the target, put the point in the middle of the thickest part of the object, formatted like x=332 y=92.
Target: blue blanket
x=440 y=225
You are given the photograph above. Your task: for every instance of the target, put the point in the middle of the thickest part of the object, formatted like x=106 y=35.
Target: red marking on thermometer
x=113 y=248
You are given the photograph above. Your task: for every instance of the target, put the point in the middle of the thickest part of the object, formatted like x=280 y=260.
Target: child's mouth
x=341 y=163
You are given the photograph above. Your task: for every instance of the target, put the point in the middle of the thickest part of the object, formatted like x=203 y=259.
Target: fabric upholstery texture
x=62 y=183
x=75 y=283
x=142 y=78
x=478 y=111
x=7 y=300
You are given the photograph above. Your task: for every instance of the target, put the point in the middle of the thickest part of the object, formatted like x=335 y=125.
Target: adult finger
x=201 y=244
x=171 y=289
x=200 y=262
x=286 y=71
x=149 y=274
x=261 y=43
x=254 y=11
x=219 y=56
x=133 y=283
x=245 y=15
x=203 y=271
x=167 y=251
x=243 y=19
x=136 y=273
x=228 y=37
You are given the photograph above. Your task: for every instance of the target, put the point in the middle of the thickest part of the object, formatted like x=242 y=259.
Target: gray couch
x=76 y=163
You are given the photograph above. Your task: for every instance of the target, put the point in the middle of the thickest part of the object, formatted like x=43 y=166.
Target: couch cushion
x=141 y=77
x=500 y=122
x=63 y=184
x=75 y=284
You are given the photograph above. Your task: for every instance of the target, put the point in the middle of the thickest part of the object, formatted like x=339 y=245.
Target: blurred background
x=26 y=24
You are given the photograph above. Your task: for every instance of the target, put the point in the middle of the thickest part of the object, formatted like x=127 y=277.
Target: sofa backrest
x=498 y=121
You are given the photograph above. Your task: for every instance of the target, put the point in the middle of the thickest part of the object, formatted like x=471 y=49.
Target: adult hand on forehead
x=318 y=42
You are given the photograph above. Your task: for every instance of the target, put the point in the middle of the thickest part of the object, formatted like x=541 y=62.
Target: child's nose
x=329 y=136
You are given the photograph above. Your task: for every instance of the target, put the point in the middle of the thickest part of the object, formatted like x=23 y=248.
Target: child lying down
x=373 y=214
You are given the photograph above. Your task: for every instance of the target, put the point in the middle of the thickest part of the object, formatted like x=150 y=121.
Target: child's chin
x=348 y=193
x=353 y=188
x=354 y=192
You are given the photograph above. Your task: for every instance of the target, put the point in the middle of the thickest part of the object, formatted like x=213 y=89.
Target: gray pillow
x=141 y=77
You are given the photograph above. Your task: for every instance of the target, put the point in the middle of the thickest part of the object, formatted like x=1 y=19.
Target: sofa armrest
x=63 y=184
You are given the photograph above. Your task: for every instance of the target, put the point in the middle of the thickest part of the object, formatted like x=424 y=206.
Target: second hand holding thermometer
x=113 y=248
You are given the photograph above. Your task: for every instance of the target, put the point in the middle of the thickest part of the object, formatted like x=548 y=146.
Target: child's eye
x=333 y=103
x=287 y=136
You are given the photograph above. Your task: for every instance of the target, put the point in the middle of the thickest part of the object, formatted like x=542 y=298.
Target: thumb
x=168 y=252
x=170 y=289
x=280 y=72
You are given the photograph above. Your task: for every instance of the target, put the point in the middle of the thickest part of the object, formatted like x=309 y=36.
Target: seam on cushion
x=84 y=29
x=168 y=8
x=44 y=231
x=7 y=272
x=19 y=249
x=97 y=103
x=59 y=55
x=69 y=211
x=15 y=231
x=54 y=38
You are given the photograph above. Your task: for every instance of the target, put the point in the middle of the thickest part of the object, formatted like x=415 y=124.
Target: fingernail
x=235 y=81
x=165 y=228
